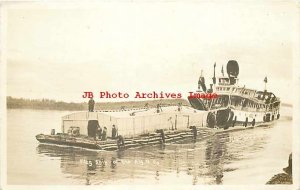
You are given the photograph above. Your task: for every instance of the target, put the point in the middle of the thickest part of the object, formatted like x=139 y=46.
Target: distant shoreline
x=47 y=104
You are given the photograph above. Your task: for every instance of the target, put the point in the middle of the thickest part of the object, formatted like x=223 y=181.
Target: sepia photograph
x=150 y=94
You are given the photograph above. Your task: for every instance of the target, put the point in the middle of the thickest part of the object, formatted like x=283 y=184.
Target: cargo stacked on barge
x=129 y=128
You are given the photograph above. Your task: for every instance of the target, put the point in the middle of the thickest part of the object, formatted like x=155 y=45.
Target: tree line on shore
x=48 y=104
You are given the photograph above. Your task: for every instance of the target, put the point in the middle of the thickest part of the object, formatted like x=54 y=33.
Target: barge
x=133 y=128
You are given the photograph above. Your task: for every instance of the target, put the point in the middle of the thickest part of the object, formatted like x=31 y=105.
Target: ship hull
x=192 y=135
x=138 y=141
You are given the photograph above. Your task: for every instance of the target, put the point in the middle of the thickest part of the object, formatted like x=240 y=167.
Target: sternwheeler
x=235 y=105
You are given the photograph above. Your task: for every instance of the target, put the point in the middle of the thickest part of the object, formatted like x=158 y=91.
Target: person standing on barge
x=114 y=132
x=104 y=132
x=99 y=132
x=91 y=105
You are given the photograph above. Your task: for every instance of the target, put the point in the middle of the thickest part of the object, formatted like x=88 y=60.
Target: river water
x=249 y=156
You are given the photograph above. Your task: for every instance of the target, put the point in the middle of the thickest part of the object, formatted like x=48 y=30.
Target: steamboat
x=234 y=108
x=235 y=105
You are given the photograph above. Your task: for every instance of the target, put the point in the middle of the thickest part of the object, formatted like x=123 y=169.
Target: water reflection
x=202 y=161
x=214 y=156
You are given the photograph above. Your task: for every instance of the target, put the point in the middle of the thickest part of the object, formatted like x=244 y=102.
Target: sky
x=59 y=52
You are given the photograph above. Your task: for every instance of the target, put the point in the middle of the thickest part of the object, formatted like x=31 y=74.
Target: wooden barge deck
x=160 y=137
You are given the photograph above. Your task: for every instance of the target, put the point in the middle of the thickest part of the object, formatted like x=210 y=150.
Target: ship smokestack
x=232 y=71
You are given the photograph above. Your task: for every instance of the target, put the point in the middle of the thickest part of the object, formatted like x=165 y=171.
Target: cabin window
x=221 y=101
x=244 y=102
x=236 y=100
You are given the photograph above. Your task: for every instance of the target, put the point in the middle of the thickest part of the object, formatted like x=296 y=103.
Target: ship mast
x=214 y=78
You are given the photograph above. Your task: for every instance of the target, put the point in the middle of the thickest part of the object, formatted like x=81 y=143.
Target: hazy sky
x=59 y=53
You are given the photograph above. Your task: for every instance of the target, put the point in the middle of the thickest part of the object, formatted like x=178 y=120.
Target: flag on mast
x=266 y=80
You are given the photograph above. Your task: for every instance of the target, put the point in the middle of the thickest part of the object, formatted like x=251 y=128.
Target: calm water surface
x=250 y=156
